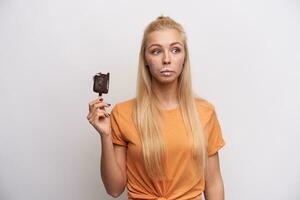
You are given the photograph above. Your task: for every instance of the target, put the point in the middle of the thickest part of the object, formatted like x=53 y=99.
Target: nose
x=166 y=58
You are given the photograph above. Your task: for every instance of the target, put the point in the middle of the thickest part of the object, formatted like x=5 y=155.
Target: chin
x=167 y=80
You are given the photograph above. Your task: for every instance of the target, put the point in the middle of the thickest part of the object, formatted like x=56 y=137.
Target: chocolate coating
x=101 y=83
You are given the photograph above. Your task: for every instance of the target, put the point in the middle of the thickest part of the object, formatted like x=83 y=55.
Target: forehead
x=164 y=37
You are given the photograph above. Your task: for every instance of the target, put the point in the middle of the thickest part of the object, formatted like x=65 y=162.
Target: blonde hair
x=147 y=113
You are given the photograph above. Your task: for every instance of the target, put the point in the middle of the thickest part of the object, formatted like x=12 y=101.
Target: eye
x=155 y=51
x=176 y=50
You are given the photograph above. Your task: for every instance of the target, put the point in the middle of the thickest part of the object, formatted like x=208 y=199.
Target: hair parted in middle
x=147 y=113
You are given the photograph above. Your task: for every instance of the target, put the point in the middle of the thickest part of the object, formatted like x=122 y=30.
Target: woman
x=164 y=143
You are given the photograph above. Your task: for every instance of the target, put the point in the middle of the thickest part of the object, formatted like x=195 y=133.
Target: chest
x=175 y=137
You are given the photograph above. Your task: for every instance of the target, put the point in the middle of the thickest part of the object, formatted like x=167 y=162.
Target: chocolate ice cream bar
x=101 y=83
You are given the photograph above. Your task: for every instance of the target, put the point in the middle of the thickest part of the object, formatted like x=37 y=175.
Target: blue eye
x=175 y=50
x=155 y=51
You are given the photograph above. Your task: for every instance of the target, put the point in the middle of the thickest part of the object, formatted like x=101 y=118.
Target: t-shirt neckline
x=170 y=109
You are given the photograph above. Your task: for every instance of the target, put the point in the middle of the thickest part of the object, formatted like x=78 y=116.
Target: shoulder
x=202 y=103
x=125 y=105
x=205 y=108
x=124 y=108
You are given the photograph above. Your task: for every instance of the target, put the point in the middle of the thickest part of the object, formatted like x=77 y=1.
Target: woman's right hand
x=98 y=117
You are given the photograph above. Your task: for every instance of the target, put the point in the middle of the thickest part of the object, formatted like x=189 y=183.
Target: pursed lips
x=166 y=70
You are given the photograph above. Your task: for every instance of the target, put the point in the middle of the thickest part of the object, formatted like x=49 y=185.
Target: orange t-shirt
x=184 y=181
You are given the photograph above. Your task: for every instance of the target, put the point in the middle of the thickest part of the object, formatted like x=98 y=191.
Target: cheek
x=180 y=62
x=153 y=64
x=151 y=61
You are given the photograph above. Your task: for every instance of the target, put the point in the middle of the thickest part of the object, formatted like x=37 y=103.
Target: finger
x=98 y=99
x=103 y=113
x=90 y=115
x=100 y=105
x=107 y=114
x=94 y=110
x=99 y=115
x=93 y=117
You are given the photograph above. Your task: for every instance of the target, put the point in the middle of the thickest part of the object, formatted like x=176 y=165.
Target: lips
x=166 y=72
x=165 y=69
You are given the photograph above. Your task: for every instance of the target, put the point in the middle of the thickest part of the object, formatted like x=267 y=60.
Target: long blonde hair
x=147 y=113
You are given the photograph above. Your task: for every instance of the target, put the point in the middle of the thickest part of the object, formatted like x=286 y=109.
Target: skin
x=163 y=49
x=214 y=187
x=113 y=157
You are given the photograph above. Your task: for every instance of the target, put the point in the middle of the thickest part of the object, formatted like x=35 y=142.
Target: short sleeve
x=215 y=139
x=115 y=128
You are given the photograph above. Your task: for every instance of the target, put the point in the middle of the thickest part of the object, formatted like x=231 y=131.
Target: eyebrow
x=161 y=45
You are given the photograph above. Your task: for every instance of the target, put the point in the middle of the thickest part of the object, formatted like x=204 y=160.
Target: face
x=164 y=55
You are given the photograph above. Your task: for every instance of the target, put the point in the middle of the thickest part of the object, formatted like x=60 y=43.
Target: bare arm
x=113 y=157
x=113 y=167
x=214 y=188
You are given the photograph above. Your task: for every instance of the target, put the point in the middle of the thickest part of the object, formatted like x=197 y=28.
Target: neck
x=166 y=94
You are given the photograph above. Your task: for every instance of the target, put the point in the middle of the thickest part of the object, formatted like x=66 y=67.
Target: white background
x=245 y=58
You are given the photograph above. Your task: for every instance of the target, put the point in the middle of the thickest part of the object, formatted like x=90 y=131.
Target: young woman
x=164 y=143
